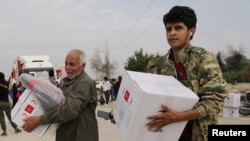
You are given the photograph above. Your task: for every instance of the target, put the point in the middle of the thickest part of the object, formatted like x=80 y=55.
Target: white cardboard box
x=28 y=105
x=231 y=106
x=230 y=112
x=141 y=95
x=232 y=101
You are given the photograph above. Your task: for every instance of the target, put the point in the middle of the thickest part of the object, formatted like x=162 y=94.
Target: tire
x=244 y=111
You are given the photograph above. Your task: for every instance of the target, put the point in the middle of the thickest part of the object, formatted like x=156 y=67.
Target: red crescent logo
x=33 y=101
x=24 y=114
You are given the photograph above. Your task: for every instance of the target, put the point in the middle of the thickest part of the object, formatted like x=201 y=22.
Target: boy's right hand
x=112 y=119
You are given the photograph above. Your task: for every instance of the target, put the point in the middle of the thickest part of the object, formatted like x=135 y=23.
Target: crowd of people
x=110 y=90
x=193 y=66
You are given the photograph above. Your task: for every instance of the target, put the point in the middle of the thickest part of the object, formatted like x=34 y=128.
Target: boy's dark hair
x=181 y=14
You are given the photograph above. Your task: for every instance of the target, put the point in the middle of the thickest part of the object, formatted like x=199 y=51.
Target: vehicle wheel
x=244 y=111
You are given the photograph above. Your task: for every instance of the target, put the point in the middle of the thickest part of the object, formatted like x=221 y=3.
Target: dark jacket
x=117 y=86
x=77 y=115
x=4 y=90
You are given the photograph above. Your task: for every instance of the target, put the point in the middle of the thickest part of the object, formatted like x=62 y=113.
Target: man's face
x=72 y=66
x=177 y=35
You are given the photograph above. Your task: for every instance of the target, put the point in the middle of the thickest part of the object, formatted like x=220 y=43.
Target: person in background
x=19 y=92
x=4 y=106
x=52 y=77
x=14 y=91
x=117 y=85
x=197 y=69
x=113 y=89
x=234 y=80
x=101 y=100
x=106 y=89
x=11 y=94
x=77 y=117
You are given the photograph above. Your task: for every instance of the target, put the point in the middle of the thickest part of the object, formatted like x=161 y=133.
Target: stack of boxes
x=231 y=106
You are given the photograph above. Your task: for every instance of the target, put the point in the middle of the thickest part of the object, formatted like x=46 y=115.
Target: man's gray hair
x=80 y=53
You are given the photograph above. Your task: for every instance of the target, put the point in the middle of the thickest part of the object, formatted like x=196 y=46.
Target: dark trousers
x=107 y=95
x=5 y=107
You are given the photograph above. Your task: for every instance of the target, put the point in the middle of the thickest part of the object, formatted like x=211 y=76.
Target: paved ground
x=107 y=130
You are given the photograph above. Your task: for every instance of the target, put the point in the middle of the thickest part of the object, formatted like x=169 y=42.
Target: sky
x=53 y=27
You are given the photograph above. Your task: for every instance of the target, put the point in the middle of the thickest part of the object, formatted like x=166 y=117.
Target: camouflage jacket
x=204 y=77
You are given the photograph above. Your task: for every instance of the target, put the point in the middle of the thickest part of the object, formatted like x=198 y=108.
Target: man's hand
x=168 y=115
x=30 y=123
x=165 y=116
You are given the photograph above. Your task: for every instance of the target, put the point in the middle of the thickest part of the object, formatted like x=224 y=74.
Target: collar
x=183 y=53
x=68 y=81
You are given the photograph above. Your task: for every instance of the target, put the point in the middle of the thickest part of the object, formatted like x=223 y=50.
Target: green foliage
x=227 y=76
x=236 y=64
x=138 y=62
x=245 y=75
x=221 y=63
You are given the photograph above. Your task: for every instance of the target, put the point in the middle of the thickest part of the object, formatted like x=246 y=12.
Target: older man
x=77 y=115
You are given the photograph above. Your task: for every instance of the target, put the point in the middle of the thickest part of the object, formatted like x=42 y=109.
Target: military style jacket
x=204 y=77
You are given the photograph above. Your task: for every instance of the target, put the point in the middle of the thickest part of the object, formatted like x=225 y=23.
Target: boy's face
x=178 y=35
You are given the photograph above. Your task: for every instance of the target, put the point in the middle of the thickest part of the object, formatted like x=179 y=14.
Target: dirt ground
x=239 y=86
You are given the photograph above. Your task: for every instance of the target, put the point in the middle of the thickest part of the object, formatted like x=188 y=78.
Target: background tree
x=236 y=60
x=96 y=62
x=103 y=66
x=235 y=64
x=220 y=61
x=107 y=67
x=138 y=62
x=245 y=76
